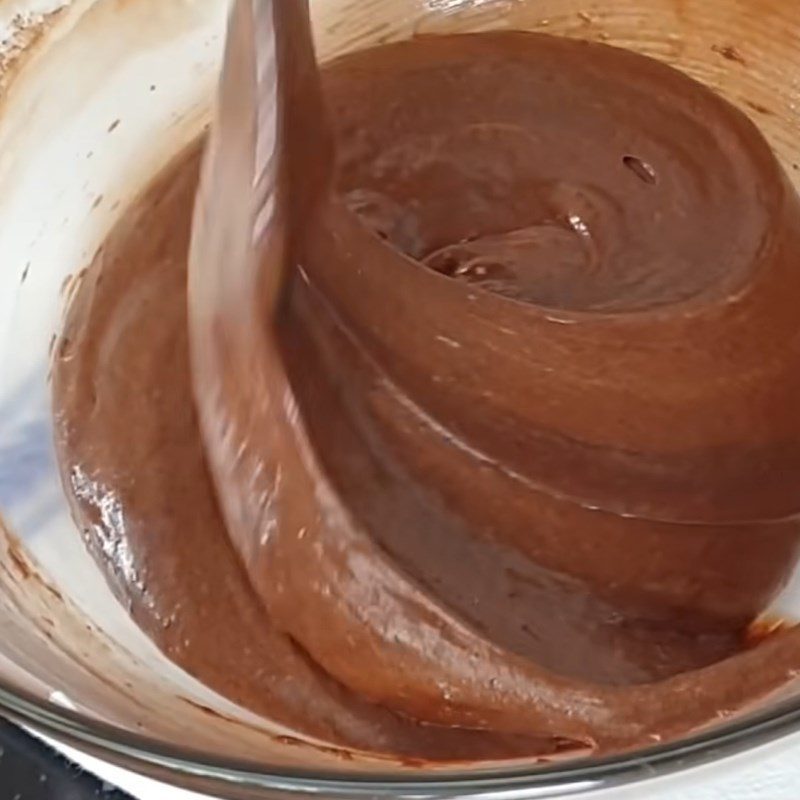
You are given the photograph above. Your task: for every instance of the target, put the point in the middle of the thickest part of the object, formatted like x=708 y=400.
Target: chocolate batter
x=528 y=460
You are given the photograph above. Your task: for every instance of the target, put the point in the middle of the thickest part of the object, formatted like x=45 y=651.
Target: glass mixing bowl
x=95 y=97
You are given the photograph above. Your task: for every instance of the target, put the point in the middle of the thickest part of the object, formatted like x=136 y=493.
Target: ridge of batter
x=539 y=471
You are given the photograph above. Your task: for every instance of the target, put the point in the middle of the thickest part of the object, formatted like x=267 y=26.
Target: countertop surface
x=30 y=770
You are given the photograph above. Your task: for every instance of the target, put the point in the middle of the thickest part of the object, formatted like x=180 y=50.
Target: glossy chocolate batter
x=528 y=460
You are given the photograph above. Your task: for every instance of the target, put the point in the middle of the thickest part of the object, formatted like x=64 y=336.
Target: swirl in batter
x=530 y=452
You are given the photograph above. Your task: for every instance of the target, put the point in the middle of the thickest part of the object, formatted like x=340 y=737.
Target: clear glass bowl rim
x=139 y=752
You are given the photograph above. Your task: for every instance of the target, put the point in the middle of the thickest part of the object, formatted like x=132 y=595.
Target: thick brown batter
x=534 y=449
